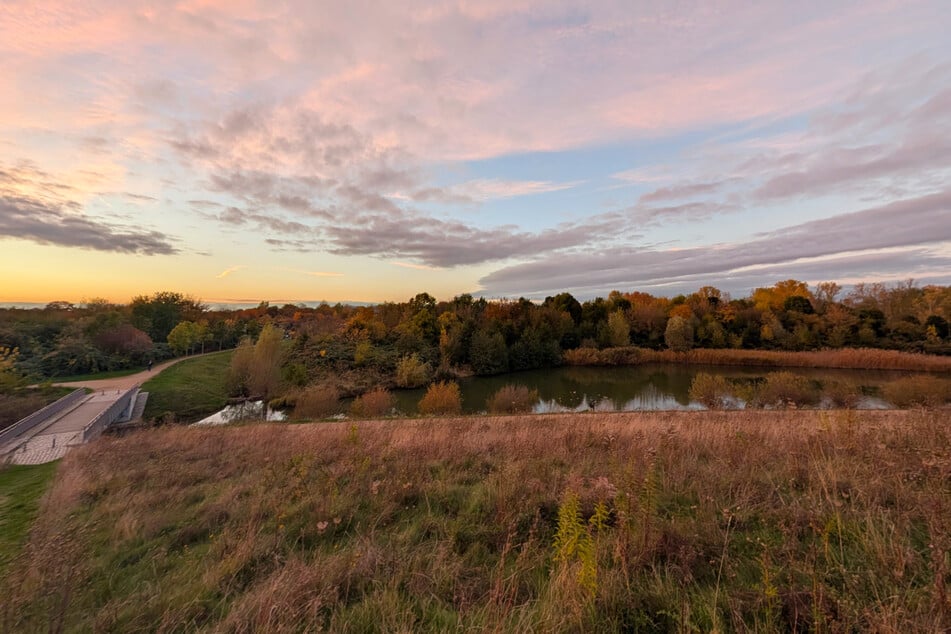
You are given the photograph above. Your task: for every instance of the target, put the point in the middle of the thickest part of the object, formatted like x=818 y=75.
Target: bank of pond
x=668 y=387
x=654 y=387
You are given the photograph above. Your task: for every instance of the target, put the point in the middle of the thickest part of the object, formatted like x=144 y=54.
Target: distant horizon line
x=209 y=302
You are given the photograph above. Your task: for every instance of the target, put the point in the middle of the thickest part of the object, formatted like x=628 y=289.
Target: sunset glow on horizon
x=302 y=151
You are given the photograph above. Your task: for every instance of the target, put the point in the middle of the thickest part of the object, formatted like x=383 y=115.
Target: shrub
x=376 y=402
x=711 y=390
x=442 y=398
x=626 y=355
x=582 y=356
x=412 y=371
x=918 y=391
x=842 y=394
x=318 y=401
x=363 y=354
x=512 y=399
x=782 y=389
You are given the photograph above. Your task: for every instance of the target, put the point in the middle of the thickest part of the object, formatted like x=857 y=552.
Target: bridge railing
x=29 y=422
x=95 y=427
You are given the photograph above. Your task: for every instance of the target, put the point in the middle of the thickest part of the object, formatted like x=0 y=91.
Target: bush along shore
x=763 y=521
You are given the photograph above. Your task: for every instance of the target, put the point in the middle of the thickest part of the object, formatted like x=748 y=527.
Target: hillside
x=775 y=521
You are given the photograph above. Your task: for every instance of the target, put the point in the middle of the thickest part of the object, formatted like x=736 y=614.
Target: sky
x=304 y=150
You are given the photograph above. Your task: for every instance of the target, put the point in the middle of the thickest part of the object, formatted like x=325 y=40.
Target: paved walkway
x=44 y=448
x=123 y=383
x=51 y=439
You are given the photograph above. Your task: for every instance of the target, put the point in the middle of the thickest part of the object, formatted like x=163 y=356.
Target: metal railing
x=110 y=415
x=29 y=422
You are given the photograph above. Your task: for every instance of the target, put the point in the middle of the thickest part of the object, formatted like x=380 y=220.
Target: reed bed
x=846 y=358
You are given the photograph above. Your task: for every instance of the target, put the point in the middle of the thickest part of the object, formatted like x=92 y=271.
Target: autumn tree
x=9 y=377
x=488 y=353
x=773 y=297
x=618 y=332
x=184 y=337
x=679 y=334
x=124 y=339
x=158 y=314
x=264 y=376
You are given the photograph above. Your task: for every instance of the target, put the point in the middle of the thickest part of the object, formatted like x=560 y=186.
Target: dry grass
x=855 y=358
x=736 y=521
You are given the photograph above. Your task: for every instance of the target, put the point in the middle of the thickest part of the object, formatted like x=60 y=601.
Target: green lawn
x=190 y=389
x=20 y=490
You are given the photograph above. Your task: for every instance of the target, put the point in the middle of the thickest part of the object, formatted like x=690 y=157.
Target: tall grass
x=854 y=358
x=766 y=521
x=21 y=488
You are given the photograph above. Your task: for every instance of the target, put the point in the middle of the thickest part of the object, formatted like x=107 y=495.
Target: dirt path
x=125 y=382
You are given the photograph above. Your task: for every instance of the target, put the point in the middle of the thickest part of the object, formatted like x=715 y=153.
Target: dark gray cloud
x=48 y=216
x=680 y=191
x=923 y=265
x=44 y=223
x=308 y=184
x=890 y=139
x=698 y=210
x=839 y=169
x=907 y=223
x=444 y=243
x=296 y=246
x=263 y=191
x=268 y=223
x=343 y=194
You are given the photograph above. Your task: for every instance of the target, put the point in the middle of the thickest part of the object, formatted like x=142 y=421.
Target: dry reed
x=846 y=358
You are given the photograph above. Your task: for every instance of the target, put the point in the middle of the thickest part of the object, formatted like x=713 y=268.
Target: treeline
x=423 y=339
x=63 y=339
x=410 y=343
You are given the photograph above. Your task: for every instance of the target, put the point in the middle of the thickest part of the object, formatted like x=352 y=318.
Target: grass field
x=191 y=389
x=706 y=521
x=20 y=490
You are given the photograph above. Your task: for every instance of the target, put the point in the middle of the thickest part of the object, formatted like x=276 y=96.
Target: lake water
x=248 y=411
x=631 y=388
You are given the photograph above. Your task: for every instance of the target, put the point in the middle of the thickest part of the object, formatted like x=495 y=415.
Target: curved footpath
x=126 y=382
x=51 y=439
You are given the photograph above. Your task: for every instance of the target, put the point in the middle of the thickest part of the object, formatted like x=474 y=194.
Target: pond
x=249 y=410
x=631 y=388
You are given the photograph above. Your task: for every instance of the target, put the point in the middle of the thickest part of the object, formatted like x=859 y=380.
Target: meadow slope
x=730 y=521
